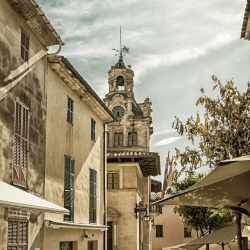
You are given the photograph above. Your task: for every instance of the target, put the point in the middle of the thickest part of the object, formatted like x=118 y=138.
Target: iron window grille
x=17 y=235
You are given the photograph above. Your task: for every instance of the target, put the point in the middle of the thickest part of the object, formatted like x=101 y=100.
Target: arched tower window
x=132 y=139
x=120 y=83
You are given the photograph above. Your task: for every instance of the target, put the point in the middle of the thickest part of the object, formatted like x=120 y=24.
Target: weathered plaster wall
x=29 y=91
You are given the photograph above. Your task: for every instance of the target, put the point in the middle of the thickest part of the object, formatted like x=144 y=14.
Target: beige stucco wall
x=74 y=141
x=133 y=188
x=173 y=230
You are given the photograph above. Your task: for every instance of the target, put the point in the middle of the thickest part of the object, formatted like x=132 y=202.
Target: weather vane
x=123 y=49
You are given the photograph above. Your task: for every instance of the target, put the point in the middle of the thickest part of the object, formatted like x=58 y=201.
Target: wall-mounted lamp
x=153 y=223
x=141 y=208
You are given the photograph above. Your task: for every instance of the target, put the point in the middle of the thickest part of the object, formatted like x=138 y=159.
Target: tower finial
x=123 y=50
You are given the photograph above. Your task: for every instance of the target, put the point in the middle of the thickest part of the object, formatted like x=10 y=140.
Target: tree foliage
x=223 y=131
x=203 y=220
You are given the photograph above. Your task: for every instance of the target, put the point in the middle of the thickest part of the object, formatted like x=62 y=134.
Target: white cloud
x=167 y=141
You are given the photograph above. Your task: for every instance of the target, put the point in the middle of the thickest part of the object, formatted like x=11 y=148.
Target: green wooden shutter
x=20 y=150
x=69 y=188
x=92 y=196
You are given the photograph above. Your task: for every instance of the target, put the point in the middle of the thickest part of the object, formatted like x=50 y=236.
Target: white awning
x=74 y=225
x=12 y=197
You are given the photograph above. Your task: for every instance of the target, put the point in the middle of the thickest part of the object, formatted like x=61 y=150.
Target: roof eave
x=65 y=70
x=38 y=22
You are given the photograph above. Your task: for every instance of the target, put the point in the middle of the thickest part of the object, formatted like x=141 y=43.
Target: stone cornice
x=36 y=19
x=80 y=87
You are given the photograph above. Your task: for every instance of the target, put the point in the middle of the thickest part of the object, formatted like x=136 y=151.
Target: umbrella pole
x=238 y=229
x=222 y=246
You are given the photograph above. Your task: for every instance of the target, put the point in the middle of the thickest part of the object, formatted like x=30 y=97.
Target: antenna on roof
x=123 y=49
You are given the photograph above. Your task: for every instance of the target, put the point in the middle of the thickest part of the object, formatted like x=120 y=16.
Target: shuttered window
x=17 y=235
x=70 y=109
x=20 y=145
x=69 y=188
x=118 y=139
x=92 y=129
x=25 y=40
x=113 y=180
x=92 y=195
x=132 y=139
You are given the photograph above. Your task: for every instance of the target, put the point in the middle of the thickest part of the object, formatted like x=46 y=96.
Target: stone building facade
x=130 y=163
x=52 y=147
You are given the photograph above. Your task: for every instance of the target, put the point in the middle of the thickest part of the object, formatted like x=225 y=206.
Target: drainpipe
x=104 y=187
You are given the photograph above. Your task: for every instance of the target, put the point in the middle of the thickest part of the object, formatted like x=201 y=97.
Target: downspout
x=57 y=52
x=104 y=187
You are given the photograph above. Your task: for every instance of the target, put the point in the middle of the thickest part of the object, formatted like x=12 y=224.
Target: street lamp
x=141 y=208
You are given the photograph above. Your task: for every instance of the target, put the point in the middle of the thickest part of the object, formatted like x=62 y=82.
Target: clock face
x=118 y=111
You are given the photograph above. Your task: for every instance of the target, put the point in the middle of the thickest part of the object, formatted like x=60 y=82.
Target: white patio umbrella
x=225 y=187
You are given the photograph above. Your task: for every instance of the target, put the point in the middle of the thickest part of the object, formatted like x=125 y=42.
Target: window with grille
x=20 y=145
x=113 y=180
x=69 y=188
x=92 y=129
x=92 y=195
x=159 y=231
x=25 y=40
x=118 y=139
x=17 y=235
x=187 y=234
x=70 y=111
x=132 y=139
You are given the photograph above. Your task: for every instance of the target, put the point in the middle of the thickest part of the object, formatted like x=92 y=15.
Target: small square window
x=187 y=234
x=25 y=40
x=159 y=231
x=70 y=111
x=92 y=129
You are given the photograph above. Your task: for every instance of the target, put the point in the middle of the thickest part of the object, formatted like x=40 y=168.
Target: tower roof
x=121 y=64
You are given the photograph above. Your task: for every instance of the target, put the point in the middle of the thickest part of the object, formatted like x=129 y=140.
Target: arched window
x=120 y=83
x=132 y=139
x=118 y=139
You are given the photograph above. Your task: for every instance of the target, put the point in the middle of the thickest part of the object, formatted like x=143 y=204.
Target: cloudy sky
x=175 y=48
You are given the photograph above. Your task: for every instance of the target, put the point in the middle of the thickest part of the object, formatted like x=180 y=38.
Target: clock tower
x=130 y=164
x=132 y=129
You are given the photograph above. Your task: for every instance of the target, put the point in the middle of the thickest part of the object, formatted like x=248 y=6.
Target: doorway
x=109 y=236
